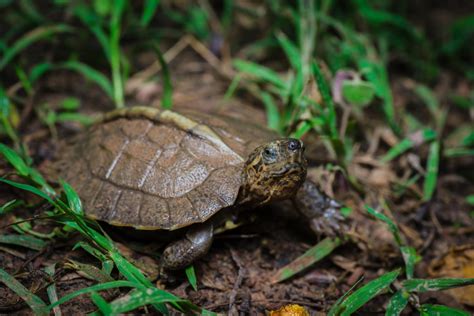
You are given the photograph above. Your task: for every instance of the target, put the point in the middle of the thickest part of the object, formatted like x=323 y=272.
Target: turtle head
x=274 y=171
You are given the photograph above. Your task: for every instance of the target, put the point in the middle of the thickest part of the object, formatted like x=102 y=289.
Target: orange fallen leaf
x=457 y=263
x=290 y=310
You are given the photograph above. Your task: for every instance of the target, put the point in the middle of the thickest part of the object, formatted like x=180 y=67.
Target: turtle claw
x=322 y=211
x=166 y=277
x=331 y=223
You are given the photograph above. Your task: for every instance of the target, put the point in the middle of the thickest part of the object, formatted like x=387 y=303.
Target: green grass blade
x=271 y=109
x=90 y=19
x=38 y=70
x=470 y=199
x=407 y=143
x=468 y=141
x=411 y=258
x=424 y=285
x=191 y=275
x=90 y=289
x=149 y=9
x=377 y=17
x=30 y=11
x=108 y=266
x=91 y=74
x=335 y=307
x=291 y=51
x=37 y=178
x=74 y=117
x=115 y=52
x=5 y=116
x=15 y=160
x=19 y=164
x=397 y=303
x=24 y=80
x=29 y=188
x=89 y=271
x=440 y=310
x=458 y=152
x=391 y=225
x=429 y=185
x=10 y=205
x=311 y=256
x=51 y=289
x=70 y=104
x=142 y=297
x=302 y=129
x=130 y=272
x=34 y=302
x=23 y=170
x=294 y=102
x=29 y=38
x=376 y=74
x=306 y=30
x=261 y=73
x=326 y=95
x=367 y=292
x=133 y=274
x=90 y=249
x=101 y=303
x=428 y=97
x=27 y=241
x=72 y=198
x=78 y=223
x=167 y=98
x=232 y=87
x=409 y=253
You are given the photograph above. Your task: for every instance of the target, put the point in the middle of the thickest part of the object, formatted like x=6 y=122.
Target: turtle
x=147 y=168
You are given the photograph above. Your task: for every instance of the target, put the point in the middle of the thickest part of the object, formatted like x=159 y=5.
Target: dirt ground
x=234 y=276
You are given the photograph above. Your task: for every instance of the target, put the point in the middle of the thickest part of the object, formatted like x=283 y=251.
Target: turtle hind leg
x=181 y=253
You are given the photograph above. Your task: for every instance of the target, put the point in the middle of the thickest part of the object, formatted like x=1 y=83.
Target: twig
x=238 y=281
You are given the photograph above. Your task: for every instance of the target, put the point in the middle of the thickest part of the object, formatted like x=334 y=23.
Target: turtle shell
x=159 y=169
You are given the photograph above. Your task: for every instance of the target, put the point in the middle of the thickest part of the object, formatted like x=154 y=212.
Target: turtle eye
x=294 y=144
x=269 y=155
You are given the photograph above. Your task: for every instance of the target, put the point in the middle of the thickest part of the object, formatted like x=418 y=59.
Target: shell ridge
x=150 y=166
x=193 y=208
x=113 y=209
x=216 y=140
x=116 y=158
x=102 y=183
x=139 y=210
x=168 y=208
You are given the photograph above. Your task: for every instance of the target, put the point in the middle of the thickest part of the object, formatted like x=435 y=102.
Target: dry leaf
x=458 y=263
x=290 y=310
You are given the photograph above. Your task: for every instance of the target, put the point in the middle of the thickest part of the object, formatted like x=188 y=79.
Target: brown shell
x=154 y=169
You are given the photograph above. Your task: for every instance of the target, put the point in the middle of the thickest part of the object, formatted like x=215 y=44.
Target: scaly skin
x=182 y=252
x=321 y=211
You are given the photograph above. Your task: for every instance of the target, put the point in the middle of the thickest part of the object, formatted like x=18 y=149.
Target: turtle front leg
x=182 y=252
x=321 y=211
